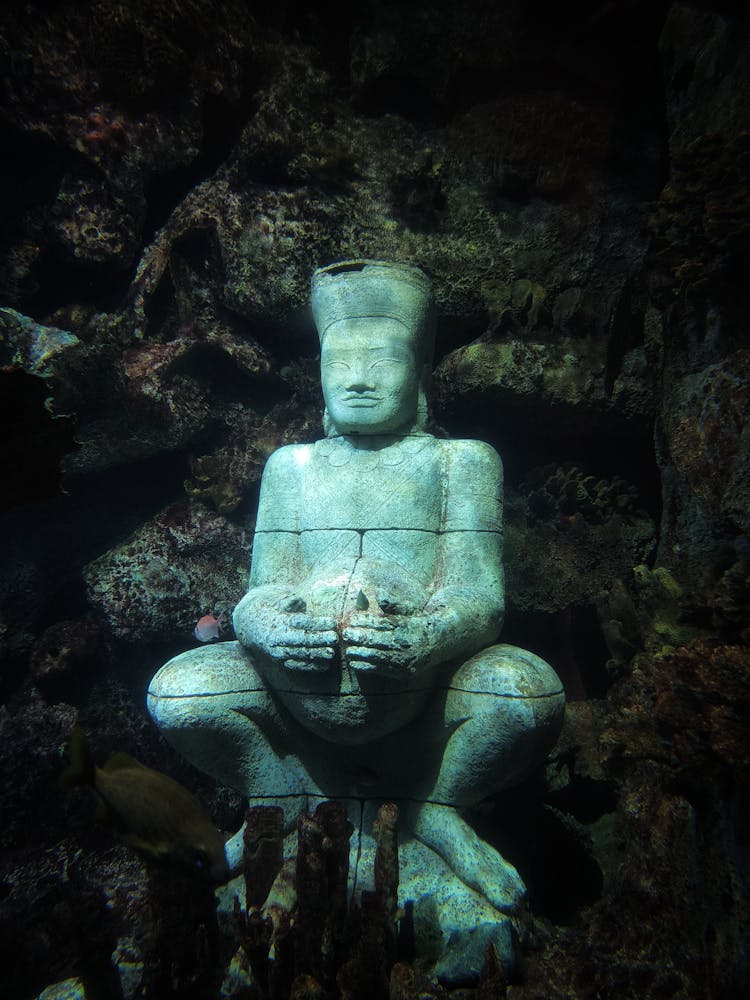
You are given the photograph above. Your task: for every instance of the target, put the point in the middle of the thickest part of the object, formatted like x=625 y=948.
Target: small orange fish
x=208 y=627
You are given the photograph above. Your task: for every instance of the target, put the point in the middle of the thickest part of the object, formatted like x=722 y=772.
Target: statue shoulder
x=474 y=493
x=476 y=458
x=285 y=463
x=290 y=454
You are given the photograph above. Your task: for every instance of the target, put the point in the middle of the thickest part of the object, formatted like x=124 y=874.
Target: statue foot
x=473 y=860
x=234 y=852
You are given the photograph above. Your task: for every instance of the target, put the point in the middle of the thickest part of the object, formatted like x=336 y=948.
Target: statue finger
x=365 y=637
x=303 y=652
x=371 y=654
x=317 y=640
x=362 y=661
x=306 y=666
x=302 y=640
x=379 y=623
x=311 y=623
x=365 y=619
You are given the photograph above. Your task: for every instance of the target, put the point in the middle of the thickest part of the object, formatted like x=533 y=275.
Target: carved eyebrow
x=385 y=349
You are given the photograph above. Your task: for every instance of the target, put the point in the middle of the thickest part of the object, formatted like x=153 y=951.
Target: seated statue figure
x=366 y=666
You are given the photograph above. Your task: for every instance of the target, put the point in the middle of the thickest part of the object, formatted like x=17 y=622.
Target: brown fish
x=151 y=812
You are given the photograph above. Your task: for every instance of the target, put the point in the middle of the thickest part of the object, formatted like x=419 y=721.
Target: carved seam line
x=356 y=694
x=365 y=531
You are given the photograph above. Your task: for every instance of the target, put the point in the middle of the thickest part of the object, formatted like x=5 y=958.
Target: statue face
x=369 y=375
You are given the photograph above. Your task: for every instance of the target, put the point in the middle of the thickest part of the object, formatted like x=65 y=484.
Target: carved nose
x=359 y=384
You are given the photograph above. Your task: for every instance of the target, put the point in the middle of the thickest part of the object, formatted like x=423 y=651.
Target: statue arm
x=471 y=590
x=469 y=611
x=276 y=550
x=272 y=616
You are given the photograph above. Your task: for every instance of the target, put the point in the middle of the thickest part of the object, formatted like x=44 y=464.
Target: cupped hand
x=301 y=641
x=389 y=644
x=277 y=623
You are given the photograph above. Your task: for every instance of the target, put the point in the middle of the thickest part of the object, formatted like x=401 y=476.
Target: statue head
x=376 y=322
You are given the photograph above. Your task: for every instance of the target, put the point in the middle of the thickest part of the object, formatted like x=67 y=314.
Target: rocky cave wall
x=577 y=184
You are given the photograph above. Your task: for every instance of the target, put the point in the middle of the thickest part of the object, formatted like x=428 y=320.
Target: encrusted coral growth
x=231 y=472
x=700 y=699
x=372 y=941
x=65 y=653
x=671 y=742
x=724 y=603
x=99 y=95
x=73 y=932
x=263 y=852
x=188 y=561
x=709 y=437
x=182 y=960
x=569 y=534
x=323 y=944
x=567 y=493
x=701 y=223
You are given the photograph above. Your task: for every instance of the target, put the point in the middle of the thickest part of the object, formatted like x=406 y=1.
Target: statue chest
x=373 y=490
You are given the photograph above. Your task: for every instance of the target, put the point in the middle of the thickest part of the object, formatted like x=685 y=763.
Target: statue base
x=446 y=925
x=452 y=924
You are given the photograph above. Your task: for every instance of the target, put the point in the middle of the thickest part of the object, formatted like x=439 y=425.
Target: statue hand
x=284 y=630
x=393 y=644
x=302 y=641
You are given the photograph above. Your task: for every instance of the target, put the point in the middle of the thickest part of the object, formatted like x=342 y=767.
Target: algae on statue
x=366 y=667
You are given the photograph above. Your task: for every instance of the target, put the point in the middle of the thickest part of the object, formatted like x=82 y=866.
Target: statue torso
x=374 y=513
x=352 y=526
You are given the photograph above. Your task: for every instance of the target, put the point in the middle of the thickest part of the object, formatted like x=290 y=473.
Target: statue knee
x=513 y=702
x=200 y=683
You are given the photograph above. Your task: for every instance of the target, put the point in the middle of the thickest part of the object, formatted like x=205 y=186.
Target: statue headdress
x=362 y=289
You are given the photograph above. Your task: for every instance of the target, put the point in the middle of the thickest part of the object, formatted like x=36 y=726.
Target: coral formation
x=569 y=534
x=187 y=561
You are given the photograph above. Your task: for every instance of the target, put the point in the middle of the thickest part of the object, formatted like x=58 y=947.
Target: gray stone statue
x=365 y=667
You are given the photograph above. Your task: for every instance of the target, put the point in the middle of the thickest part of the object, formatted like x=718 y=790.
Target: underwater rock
x=23 y=593
x=707 y=434
x=32 y=738
x=569 y=535
x=706 y=472
x=35 y=364
x=55 y=923
x=725 y=602
x=168 y=395
x=701 y=228
x=564 y=380
x=182 y=958
x=97 y=106
x=30 y=346
x=664 y=757
x=406 y=983
x=701 y=694
x=186 y=561
x=707 y=74
x=64 y=654
x=225 y=475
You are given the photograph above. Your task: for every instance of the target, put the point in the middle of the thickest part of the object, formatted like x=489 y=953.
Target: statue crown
x=362 y=289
